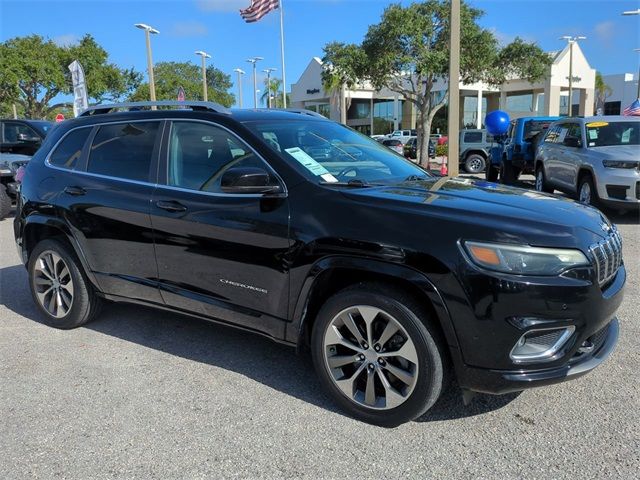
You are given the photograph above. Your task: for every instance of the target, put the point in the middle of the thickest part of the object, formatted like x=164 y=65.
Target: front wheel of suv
x=541 y=181
x=377 y=353
x=59 y=287
x=587 y=192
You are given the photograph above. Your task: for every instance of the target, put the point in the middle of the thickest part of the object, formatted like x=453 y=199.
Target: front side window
x=200 y=154
x=69 y=150
x=19 y=133
x=124 y=150
x=330 y=152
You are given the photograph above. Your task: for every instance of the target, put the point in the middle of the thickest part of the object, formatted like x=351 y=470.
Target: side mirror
x=573 y=142
x=23 y=137
x=248 y=180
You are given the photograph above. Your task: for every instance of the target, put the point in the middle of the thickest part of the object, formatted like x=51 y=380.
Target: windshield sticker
x=593 y=134
x=597 y=124
x=310 y=164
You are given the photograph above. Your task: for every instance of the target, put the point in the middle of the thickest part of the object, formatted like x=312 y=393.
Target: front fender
x=295 y=329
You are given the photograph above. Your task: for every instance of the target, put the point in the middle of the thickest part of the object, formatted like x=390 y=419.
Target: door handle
x=75 y=191
x=171 y=206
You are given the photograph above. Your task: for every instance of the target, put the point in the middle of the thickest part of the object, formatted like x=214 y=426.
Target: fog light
x=540 y=345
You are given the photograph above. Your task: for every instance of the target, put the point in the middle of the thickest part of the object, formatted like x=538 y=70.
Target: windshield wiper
x=350 y=184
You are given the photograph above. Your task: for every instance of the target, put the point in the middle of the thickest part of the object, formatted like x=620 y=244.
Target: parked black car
x=394 y=279
x=22 y=136
x=411 y=149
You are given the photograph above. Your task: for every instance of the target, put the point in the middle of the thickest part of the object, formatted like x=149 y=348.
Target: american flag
x=632 y=110
x=258 y=9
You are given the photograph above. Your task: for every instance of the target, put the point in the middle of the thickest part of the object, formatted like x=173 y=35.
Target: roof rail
x=302 y=111
x=131 y=106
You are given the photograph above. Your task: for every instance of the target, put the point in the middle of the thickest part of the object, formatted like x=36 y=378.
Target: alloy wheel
x=53 y=284
x=370 y=357
x=475 y=165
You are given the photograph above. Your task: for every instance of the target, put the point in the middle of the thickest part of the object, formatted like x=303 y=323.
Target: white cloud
x=188 y=29
x=222 y=5
x=605 y=30
x=65 y=40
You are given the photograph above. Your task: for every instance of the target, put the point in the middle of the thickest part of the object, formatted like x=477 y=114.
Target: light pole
x=454 y=93
x=147 y=33
x=240 y=73
x=571 y=41
x=268 y=72
x=638 y=50
x=204 y=56
x=253 y=61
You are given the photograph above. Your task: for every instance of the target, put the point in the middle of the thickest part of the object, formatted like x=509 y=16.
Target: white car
x=595 y=158
x=402 y=135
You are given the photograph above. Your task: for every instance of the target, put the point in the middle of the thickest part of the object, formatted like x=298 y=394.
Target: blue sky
x=216 y=27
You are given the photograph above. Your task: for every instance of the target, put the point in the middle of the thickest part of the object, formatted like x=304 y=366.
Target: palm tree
x=276 y=93
x=603 y=91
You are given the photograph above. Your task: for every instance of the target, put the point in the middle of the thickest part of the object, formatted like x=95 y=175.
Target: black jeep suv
x=301 y=229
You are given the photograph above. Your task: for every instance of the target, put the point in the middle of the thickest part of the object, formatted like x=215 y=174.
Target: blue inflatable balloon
x=497 y=122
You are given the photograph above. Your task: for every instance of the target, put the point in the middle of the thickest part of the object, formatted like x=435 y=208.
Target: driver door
x=220 y=255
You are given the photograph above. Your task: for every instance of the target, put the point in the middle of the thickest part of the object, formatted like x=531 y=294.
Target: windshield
x=42 y=126
x=607 y=134
x=329 y=152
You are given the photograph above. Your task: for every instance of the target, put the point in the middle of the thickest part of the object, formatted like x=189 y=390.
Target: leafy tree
x=603 y=91
x=170 y=76
x=408 y=53
x=276 y=93
x=35 y=71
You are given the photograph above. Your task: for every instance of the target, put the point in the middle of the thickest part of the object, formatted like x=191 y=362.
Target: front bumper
x=619 y=187
x=505 y=381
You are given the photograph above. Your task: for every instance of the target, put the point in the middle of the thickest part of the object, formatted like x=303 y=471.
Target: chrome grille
x=607 y=256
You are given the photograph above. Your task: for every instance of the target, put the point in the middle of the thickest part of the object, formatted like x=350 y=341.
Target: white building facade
x=381 y=111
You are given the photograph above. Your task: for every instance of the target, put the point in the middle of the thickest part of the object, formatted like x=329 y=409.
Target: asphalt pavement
x=140 y=393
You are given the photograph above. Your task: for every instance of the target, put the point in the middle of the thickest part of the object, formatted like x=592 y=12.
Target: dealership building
x=380 y=111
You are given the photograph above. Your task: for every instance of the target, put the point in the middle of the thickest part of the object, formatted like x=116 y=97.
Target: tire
x=491 y=173
x=71 y=301
x=394 y=399
x=474 y=163
x=541 y=180
x=508 y=173
x=5 y=202
x=585 y=183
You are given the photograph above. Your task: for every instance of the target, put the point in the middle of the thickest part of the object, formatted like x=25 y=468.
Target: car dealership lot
x=142 y=393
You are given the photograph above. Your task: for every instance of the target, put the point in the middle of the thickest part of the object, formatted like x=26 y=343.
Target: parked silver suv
x=596 y=158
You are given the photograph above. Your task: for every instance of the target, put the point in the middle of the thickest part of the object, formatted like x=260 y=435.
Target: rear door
x=221 y=255
x=568 y=155
x=107 y=199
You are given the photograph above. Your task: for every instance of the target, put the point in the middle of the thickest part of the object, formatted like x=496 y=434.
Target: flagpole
x=284 y=75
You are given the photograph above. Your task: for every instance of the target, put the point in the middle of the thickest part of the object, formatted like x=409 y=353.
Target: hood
x=522 y=215
x=617 y=152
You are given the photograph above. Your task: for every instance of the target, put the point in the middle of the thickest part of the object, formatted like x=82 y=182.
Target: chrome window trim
x=282 y=194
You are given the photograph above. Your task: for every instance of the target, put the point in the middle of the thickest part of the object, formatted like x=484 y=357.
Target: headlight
x=620 y=164
x=524 y=260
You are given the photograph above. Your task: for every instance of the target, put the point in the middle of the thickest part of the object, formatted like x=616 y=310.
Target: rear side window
x=123 y=150
x=68 y=152
x=473 y=137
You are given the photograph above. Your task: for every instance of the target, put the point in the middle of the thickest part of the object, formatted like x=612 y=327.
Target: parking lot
x=141 y=393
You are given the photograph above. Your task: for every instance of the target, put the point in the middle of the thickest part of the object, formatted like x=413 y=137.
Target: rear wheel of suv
x=541 y=180
x=5 y=202
x=587 y=192
x=376 y=352
x=474 y=163
x=59 y=287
